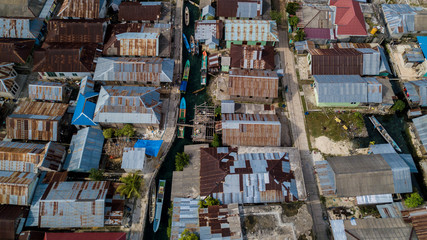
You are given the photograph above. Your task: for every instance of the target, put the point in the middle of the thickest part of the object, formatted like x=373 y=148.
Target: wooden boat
x=181 y=131
x=182 y=110
x=203 y=77
x=204 y=72
x=159 y=204
x=197 y=47
x=199 y=90
x=187 y=16
x=186 y=71
x=205 y=61
x=192 y=45
x=183 y=87
x=152 y=202
x=384 y=133
x=184 y=38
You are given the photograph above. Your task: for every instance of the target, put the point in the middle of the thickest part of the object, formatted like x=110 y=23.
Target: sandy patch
x=327 y=146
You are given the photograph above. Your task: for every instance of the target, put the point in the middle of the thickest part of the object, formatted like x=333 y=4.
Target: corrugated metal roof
x=208 y=10
x=371 y=61
x=82 y=8
x=391 y=210
x=73 y=204
x=374 y=199
x=85 y=236
x=85 y=150
x=399 y=18
x=204 y=29
x=420 y=124
x=248 y=9
x=253 y=83
x=372 y=228
x=326 y=177
x=133 y=159
x=251 y=30
x=20 y=28
x=416 y=91
x=336 y=61
x=74 y=30
x=8 y=83
x=126 y=104
x=417 y=217
x=414 y=55
x=252 y=57
x=140 y=70
x=51 y=91
x=15 y=50
x=422 y=41
x=140 y=11
x=17 y=188
x=83 y=114
x=227 y=106
x=239 y=8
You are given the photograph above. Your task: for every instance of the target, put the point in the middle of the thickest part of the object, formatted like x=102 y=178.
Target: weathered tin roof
x=11 y=218
x=336 y=61
x=8 y=79
x=16 y=188
x=44 y=110
x=133 y=159
x=246 y=178
x=392 y=210
x=239 y=8
x=253 y=83
x=251 y=30
x=374 y=199
x=15 y=50
x=371 y=61
x=24 y=8
x=399 y=18
x=82 y=8
x=204 y=29
x=133 y=44
x=138 y=11
x=51 y=91
x=77 y=31
x=20 y=27
x=85 y=150
x=420 y=124
x=126 y=104
x=416 y=92
x=252 y=57
x=85 y=236
x=417 y=217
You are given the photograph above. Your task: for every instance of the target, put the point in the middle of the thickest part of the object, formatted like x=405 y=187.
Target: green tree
x=209 y=201
x=188 y=235
x=398 y=106
x=216 y=141
x=96 y=174
x=108 y=133
x=414 y=200
x=293 y=21
x=276 y=16
x=131 y=186
x=127 y=131
x=292 y=8
x=299 y=36
x=181 y=160
x=218 y=111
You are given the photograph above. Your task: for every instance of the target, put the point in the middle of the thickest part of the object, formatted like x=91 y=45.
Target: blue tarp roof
x=152 y=147
x=183 y=86
x=422 y=40
x=83 y=115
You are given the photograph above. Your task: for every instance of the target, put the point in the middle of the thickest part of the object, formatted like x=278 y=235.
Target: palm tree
x=130 y=188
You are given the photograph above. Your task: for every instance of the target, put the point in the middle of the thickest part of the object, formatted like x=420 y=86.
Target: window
x=51 y=74
x=61 y=74
x=75 y=74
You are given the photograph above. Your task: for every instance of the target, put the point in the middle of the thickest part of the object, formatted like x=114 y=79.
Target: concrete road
x=299 y=135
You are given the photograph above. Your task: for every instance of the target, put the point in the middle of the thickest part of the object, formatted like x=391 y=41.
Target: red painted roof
x=86 y=236
x=349 y=18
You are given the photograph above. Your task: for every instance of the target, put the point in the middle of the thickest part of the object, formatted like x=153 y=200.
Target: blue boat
x=186 y=43
x=182 y=110
x=183 y=87
x=159 y=204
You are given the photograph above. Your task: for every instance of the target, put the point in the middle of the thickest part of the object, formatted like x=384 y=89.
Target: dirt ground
x=397 y=60
x=327 y=146
x=218 y=88
x=303 y=67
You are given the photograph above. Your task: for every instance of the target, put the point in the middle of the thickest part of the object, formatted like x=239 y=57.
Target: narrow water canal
x=178 y=146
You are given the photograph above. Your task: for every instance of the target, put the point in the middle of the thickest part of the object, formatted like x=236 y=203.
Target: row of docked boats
x=192 y=46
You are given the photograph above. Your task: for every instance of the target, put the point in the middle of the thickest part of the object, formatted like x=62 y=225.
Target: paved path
x=299 y=136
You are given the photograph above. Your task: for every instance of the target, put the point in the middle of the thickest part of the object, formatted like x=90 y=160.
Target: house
x=420 y=124
x=212 y=42
x=28 y=157
x=140 y=11
x=245 y=9
x=133 y=159
x=372 y=228
x=36 y=121
x=362 y=175
x=12 y=220
x=85 y=236
x=252 y=57
x=65 y=60
x=88 y=9
x=85 y=150
x=316 y=22
x=213 y=222
x=416 y=217
x=335 y=61
x=213 y=63
x=86 y=103
x=346 y=90
x=205 y=29
x=27 y=8
x=17 y=188
x=225 y=63
x=76 y=30
x=15 y=50
x=208 y=12
x=22 y=28
x=422 y=41
x=9 y=87
x=118 y=105
x=250 y=32
x=31 y=235
x=416 y=92
x=403 y=19
x=348 y=19
x=253 y=85
x=412 y=57
x=303 y=46
x=48 y=91
x=251 y=129
x=149 y=71
x=264 y=177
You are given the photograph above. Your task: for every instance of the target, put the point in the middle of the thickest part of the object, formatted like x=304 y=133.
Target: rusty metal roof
x=251 y=30
x=65 y=57
x=51 y=91
x=15 y=187
x=81 y=8
x=20 y=27
x=253 y=83
x=76 y=31
x=252 y=57
x=50 y=110
x=136 y=11
x=239 y=8
x=15 y=50
x=418 y=218
x=10 y=218
x=336 y=61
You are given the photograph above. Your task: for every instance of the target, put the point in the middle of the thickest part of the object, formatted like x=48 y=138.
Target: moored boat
x=152 y=212
x=384 y=133
x=186 y=70
x=183 y=87
x=182 y=110
x=186 y=43
x=192 y=45
x=204 y=72
x=159 y=204
x=187 y=16
x=181 y=131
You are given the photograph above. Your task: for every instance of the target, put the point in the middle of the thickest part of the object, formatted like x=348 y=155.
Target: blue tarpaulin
x=183 y=87
x=152 y=147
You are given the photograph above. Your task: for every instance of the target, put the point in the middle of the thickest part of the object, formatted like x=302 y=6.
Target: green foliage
x=181 y=160
x=218 y=111
x=398 y=106
x=277 y=16
x=188 y=235
x=292 y=8
x=127 y=131
x=216 y=141
x=359 y=121
x=210 y=18
x=169 y=229
x=299 y=36
x=96 y=174
x=209 y=201
x=108 y=133
x=414 y=200
x=131 y=186
x=293 y=21
x=369 y=211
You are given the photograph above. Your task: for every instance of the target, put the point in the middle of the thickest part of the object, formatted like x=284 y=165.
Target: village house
x=243 y=9
x=85 y=235
x=88 y=9
x=17 y=188
x=251 y=32
x=42 y=9
x=9 y=87
x=140 y=11
x=47 y=91
x=86 y=103
x=207 y=30
x=316 y=22
x=402 y=19
x=253 y=85
x=133 y=159
x=416 y=93
x=252 y=57
x=15 y=50
x=12 y=220
x=76 y=30
x=348 y=21
x=22 y=28
x=333 y=61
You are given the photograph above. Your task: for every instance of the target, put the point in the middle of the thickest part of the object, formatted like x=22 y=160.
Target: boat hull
x=187 y=16
x=159 y=204
x=186 y=70
x=187 y=45
x=380 y=128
